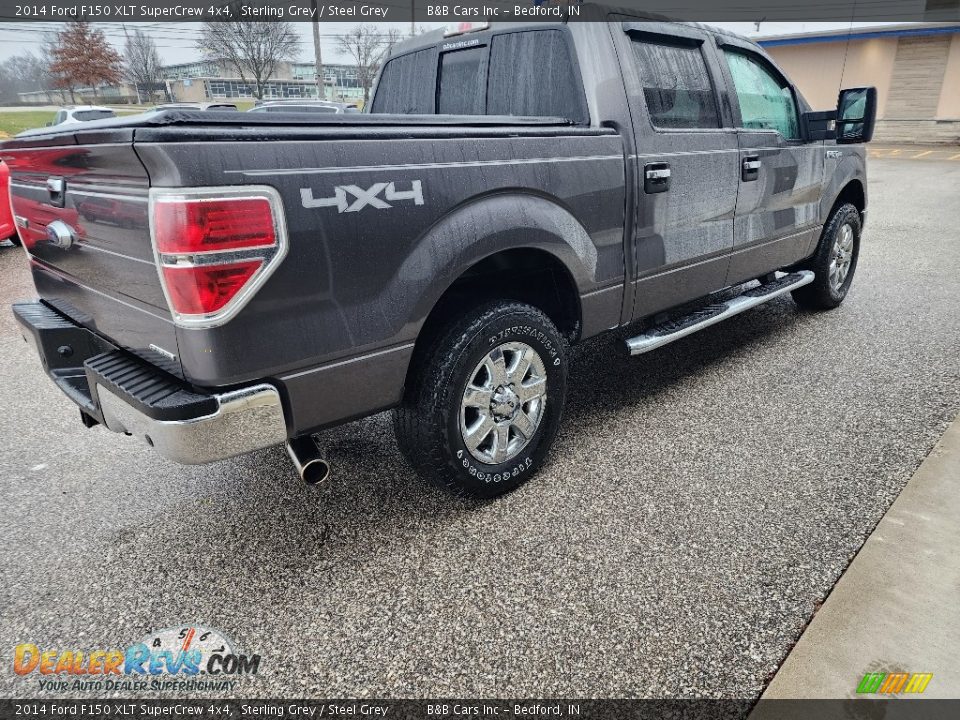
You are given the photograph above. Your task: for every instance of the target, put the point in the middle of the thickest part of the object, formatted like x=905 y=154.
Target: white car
x=82 y=113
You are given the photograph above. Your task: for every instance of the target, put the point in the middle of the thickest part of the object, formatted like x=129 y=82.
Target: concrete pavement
x=895 y=609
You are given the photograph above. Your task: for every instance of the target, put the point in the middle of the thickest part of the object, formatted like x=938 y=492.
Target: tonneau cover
x=122 y=129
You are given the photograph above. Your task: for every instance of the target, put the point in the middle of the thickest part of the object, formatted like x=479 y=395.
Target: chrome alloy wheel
x=503 y=403
x=841 y=257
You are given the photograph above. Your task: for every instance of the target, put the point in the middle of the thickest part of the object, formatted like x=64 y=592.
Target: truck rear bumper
x=128 y=395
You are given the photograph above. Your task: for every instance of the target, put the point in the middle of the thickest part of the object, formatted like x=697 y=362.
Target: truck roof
x=589 y=12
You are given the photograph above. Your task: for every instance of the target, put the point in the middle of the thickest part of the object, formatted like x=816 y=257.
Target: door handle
x=750 y=170
x=656 y=177
x=55 y=187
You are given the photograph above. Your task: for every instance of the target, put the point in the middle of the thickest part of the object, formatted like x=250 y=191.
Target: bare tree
x=141 y=64
x=367 y=45
x=253 y=49
x=22 y=73
x=83 y=57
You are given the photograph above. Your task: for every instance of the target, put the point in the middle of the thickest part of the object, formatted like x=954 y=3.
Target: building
x=915 y=68
x=210 y=80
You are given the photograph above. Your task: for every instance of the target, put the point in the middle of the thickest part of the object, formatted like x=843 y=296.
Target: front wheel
x=485 y=400
x=834 y=262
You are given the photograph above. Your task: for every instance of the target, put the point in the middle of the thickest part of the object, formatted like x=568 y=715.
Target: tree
x=82 y=57
x=253 y=49
x=367 y=46
x=141 y=64
x=22 y=73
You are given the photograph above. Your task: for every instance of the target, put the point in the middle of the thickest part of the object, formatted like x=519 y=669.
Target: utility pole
x=321 y=85
x=413 y=22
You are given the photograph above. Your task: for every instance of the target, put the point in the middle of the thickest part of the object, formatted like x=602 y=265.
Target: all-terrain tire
x=825 y=293
x=437 y=413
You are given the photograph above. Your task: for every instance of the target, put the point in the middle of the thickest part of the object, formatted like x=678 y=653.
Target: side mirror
x=856 y=115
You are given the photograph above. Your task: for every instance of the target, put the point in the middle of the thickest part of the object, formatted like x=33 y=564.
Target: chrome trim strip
x=81 y=190
x=248 y=419
x=646 y=342
x=86 y=245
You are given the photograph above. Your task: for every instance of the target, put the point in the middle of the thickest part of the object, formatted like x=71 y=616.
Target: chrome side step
x=667 y=332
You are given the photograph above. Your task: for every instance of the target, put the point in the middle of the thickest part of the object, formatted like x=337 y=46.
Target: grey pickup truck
x=214 y=283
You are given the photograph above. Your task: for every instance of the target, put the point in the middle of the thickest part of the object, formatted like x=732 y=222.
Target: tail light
x=215 y=247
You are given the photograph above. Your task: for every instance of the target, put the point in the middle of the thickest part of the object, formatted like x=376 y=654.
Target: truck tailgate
x=82 y=213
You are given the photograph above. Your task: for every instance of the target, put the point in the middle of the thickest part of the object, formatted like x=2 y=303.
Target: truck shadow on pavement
x=258 y=523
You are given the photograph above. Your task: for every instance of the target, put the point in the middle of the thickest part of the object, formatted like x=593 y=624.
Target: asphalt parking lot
x=700 y=504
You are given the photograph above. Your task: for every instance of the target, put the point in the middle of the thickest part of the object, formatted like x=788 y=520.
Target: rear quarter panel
x=336 y=323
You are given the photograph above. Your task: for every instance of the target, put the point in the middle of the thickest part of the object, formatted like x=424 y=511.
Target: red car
x=7 y=228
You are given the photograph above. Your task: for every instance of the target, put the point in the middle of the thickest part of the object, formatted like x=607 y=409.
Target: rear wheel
x=834 y=263
x=485 y=400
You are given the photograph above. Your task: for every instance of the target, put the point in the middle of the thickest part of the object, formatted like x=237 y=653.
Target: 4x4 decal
x=363 y=198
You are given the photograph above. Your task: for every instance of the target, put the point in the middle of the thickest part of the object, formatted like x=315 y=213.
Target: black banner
x=213 y=709
x=355 y=11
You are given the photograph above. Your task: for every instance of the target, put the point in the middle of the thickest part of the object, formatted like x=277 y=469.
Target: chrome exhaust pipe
x=307 y=459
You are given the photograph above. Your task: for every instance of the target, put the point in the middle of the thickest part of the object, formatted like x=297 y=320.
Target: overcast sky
x=177 y=42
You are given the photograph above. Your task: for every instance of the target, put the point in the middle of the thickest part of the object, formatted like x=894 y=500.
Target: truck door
x=686 y=165
x=778 y=206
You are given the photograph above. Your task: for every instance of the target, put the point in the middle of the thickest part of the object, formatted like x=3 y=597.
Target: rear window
x=460 y=85
x=93 y=114
x=529 y=73
x=532 y=73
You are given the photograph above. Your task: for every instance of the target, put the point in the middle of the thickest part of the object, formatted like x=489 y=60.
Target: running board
x=665 y=333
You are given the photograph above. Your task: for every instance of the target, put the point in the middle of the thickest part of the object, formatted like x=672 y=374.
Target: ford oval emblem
x=60 y=234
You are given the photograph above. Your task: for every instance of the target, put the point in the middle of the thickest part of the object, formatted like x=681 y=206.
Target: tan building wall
x=819 y=69
x=949 y=106
x=917 y=79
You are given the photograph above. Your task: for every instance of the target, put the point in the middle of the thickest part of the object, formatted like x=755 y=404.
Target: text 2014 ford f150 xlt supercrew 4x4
x=248 y=280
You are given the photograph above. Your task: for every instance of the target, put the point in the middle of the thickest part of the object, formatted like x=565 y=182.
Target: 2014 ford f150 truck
x=247 y=280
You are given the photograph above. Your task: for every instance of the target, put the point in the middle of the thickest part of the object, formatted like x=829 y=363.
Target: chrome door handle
x=751 y=164
x=656 y=177
x=750 y=169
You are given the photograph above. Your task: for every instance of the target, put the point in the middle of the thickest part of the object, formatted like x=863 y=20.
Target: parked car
x=300 y=106
x=209 y=106
x=81 y=113
x=8 y=230
x=439 y=255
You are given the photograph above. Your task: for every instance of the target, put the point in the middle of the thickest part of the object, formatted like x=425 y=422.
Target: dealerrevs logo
x=169 y=659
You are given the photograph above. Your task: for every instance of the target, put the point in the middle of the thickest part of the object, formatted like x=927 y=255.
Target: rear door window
x=676 y=84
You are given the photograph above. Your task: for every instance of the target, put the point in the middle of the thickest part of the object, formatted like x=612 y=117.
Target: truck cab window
x=532 y=73
x=676 y=84
x=460 y=85
x=406 y=85
x=766 y=101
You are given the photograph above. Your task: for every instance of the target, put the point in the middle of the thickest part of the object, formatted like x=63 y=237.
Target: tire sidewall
x=489 y=480
x=845 y=215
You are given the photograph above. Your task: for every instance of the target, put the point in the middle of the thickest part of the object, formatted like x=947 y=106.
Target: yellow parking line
x=954 y=157
x=895 y=152
x=920 y=155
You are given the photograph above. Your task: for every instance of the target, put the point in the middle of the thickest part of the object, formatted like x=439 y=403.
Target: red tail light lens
x=207 y=289
x=192 y=226
x=215 y=247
